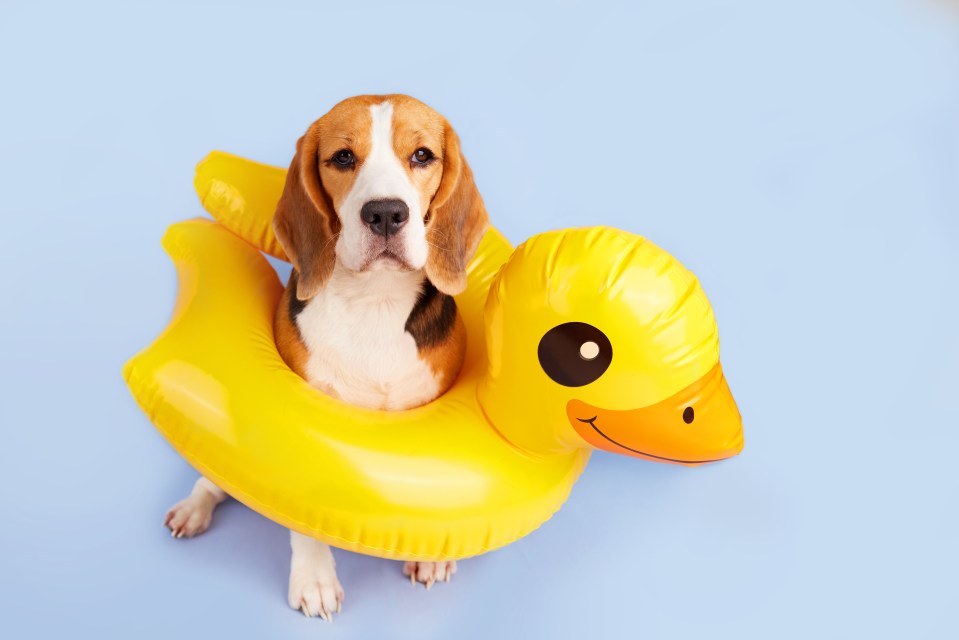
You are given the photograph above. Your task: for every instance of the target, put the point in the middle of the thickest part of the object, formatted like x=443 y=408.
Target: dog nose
x=385 y=217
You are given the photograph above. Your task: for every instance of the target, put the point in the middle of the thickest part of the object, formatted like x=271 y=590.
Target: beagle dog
x=379 y=216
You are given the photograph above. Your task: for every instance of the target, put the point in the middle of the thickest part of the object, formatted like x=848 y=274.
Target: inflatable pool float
x=579 y=339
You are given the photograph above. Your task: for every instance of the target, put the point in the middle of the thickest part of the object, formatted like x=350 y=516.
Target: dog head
x=378 y=183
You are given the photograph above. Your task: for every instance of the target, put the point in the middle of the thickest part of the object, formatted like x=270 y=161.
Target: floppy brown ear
x=305 y=223
x=457 y=220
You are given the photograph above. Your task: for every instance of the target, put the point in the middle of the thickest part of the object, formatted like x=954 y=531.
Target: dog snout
x=385 y=217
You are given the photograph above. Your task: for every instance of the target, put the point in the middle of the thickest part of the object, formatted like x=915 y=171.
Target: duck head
x=599 y=338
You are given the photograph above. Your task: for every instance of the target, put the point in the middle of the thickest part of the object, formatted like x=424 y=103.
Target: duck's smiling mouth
x=592 y=422
x=696 y=425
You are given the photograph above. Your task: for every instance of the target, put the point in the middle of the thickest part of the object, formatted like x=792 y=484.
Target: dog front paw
x=189 y=517
x=429 y=572
x=316 y=591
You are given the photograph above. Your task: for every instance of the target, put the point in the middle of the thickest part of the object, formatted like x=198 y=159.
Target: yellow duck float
x=593 y=338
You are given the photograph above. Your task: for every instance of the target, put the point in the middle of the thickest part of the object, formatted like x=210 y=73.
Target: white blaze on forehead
x=381 y=175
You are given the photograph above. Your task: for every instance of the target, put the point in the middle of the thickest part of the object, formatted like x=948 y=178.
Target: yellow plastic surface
x=664 y=340
x=439 y=481
x=242 y=195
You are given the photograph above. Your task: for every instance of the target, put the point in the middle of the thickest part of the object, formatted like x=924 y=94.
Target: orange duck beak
x=699 y=424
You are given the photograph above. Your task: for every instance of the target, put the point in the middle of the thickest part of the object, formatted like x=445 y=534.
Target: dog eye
x=421 y=156
x=344 y=158
x=575 y=354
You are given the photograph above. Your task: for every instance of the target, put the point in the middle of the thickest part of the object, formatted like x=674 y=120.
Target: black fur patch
x=296 y=305
x=432 y=317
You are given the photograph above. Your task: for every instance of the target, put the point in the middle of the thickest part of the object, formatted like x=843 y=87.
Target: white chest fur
x=355 y=332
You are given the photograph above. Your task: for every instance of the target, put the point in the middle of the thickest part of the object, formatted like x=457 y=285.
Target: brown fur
x=458 y=220
x=446 y=359
x=288 y=340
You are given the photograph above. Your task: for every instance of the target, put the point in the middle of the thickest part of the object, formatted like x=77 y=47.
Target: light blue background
x=801 y=158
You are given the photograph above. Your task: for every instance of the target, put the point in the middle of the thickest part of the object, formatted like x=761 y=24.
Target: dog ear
x=305 y=222
x=456 y=222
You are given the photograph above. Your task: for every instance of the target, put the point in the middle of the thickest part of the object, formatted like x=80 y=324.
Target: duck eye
x=421 y=156
x=688 y=415
x=575 y=354
x=344 y=158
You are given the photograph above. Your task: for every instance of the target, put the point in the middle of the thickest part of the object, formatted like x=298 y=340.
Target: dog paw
x=429 y=572
x=316 y=592
x=189 y=517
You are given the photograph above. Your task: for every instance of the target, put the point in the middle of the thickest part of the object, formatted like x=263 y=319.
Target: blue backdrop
x=802 y=158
